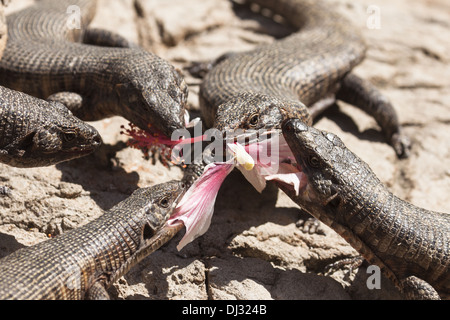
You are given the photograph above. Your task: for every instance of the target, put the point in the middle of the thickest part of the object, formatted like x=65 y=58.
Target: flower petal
x=192 y=123
x=269 y=155
x=197 y=205
x=242 y=157
x=295 y=179
x=255 y=177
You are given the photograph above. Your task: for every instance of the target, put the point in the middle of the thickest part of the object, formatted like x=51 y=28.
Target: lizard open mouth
x=261 y=156
x=265 y=158
x=274 y=160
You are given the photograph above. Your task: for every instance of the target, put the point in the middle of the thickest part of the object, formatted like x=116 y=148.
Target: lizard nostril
x=288 y=125
x=97 y=140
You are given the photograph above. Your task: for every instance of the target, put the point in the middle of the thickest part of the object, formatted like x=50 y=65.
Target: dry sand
x=253 y=249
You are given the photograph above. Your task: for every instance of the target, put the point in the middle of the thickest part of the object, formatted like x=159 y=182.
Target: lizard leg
x=73 y=101
x=310 y=225
x=80 y=106
x=321 y=105
x=417 y=289
x=199 y=69
x=352 y=262
x=365 y=96
x=97 y=292
x=105 y=38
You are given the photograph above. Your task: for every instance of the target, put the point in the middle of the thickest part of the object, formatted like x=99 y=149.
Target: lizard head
x=158 y=201
x=257 y=111
x=58 y=136
x=152 y=93
x=153 y=207
x=327 y=163
x=148 y=210
x=251 y=116
x=315 y=153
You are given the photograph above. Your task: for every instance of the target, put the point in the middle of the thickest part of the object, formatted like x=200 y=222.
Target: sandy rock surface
x=254 y=248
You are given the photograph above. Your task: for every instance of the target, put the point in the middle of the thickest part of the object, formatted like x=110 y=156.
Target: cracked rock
x=253 y=249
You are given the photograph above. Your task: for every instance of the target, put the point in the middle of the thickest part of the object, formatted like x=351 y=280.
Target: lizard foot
x=352 y=263
x=401 y=145
x=310 y=225
x=199 y=69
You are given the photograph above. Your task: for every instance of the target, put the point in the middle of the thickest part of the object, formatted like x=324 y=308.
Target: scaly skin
x=83 y=262
x=44 y=57
x=308 y=68
x=35 y=133
x=411 y=245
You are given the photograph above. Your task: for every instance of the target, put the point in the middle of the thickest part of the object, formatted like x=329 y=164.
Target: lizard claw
x=199 y=69
x=310 y=225
x=401 y=145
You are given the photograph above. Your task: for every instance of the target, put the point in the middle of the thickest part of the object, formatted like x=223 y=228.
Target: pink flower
x=153 y=141
x=197 y=206
x=273 y=159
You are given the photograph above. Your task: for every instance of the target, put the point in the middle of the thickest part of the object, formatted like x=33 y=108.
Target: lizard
x=411 y=245
x=83 y=262
x=51 y=54
x=34 y=132
x=312 y=67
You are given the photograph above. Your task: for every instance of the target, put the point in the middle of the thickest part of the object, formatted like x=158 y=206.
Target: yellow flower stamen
x=242 y=157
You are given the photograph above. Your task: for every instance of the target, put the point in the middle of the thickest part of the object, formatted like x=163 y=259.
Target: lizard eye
x=314 y=161
x=164 y=202
x=253 y=120
x=69 y=136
